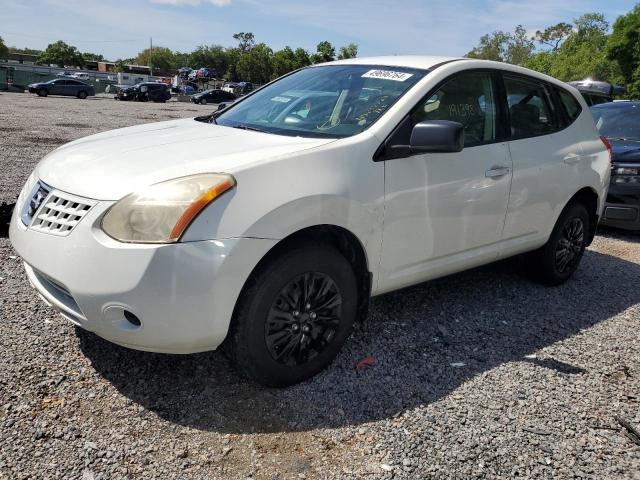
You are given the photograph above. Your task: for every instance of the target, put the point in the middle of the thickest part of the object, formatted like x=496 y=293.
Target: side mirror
x=437 y=136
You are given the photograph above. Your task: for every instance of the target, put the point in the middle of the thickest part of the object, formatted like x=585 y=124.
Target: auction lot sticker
x=388 y=75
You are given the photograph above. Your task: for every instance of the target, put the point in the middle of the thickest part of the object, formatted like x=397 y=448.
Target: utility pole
x=150 y=54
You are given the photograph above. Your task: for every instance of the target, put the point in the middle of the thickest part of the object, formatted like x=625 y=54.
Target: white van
x=271 y=223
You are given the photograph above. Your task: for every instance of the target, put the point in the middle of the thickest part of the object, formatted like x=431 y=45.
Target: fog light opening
x=131 y=318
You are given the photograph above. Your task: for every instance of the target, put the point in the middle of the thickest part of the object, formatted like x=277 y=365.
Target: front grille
x=60 y=213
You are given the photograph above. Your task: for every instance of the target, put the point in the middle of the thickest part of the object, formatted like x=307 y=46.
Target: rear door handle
x=495 y=172
x=571 y=158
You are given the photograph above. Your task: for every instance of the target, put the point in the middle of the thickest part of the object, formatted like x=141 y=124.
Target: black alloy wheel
x=303 y=319
x=294 y=315
x=558 y=259
x=570 y=244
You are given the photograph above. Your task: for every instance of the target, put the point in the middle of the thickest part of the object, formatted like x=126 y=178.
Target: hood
x=110 y=165
x=625 y=151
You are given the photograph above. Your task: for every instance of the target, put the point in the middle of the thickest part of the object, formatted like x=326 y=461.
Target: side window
x=570 y=104
x=468 y=99
x=531 y=111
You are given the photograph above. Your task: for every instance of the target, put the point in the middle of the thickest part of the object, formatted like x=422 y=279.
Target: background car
x=212 y=96
x=230 y=87
x=145 y=92
x=619 y=122
x=63 y=86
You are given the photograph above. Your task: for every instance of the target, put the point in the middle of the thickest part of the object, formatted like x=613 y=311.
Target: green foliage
x=213 y=56
x=25 y=51
x=349 y=51
x=324 y=53
x=516 y=48
x=61 y=54
x=157 y=57
x=246 y=41
x=492 y=46
x=577 y=51
x=92 y=57
x=120 y=66
x=256 y=65
x=623 y=47
x=554 y=35
x=3 y=48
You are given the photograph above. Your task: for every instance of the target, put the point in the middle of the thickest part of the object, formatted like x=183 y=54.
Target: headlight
x=162 y=212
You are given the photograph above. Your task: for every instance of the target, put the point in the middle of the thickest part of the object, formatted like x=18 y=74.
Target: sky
x=122 y=28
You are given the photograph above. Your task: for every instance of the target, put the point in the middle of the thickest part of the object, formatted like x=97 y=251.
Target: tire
x=203 y=101
x=43 y=92
x=555 y=262
x=271 y=339
x=82 y=95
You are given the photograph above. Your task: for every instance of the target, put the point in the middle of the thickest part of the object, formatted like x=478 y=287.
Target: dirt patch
x=45 y=140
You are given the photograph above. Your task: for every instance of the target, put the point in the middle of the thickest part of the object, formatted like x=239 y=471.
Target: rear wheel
x=294 y=316
x=556 y=261
x=82 y=95
x=43 y=92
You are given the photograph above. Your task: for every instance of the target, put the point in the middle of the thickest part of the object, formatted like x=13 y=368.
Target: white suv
x=271 y=223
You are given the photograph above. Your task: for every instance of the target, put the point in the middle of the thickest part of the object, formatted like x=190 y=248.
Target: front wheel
x=559 y=258
x=82 y=95
x=43 y=92
x=203 y=101
x=294 y=316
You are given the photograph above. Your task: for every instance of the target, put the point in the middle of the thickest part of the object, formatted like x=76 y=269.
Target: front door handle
x=495 y=172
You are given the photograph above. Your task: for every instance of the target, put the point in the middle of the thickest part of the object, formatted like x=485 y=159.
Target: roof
x=411 y=61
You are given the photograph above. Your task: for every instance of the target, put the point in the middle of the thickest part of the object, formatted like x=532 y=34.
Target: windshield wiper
x=247 y=127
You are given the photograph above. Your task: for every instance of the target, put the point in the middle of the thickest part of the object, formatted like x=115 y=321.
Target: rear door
x=544 y=158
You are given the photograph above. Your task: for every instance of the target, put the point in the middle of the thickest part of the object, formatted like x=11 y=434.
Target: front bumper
x=622 y=208
x=183 y=294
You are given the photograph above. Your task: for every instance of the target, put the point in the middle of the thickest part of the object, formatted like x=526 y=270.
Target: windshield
x=328 y=101
x=618 y=122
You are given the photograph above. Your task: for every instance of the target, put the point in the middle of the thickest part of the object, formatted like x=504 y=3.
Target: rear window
x=570 y=104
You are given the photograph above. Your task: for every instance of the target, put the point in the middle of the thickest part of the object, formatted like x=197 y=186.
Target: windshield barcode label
x=388 y=75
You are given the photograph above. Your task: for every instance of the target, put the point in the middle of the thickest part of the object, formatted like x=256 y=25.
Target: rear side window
x=570 y=104
x=531 y=110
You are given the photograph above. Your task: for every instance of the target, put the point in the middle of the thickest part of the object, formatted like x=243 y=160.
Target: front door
x=445 y=211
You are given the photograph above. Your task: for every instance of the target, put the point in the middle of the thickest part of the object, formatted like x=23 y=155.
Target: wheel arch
x=343 y=240
x=588 y=197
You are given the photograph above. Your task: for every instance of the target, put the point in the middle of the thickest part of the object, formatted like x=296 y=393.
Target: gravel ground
x=479 y=375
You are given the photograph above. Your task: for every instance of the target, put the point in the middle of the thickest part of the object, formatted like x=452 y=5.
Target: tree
x=157 y=57
x=623 y=47
x=302 y=58
x=492 y=46
x=214 y=57
x=120 y=66
x=246 y=41
x=580 y=54
x=92 y=57
x=516 y=48
x=4 y=50
x=350 y=51
x=61 y=54
x=554 y=35
x=283 y=62
x=324 y=53
x=519 y=47
x=255 y=65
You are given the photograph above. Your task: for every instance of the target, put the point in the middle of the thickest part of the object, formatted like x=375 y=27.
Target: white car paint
x=416 y=218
